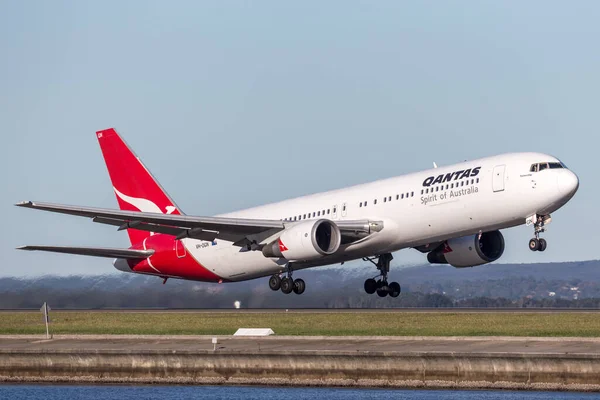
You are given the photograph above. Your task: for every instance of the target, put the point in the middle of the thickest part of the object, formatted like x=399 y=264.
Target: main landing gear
x=539 y=222
x=286 y=284
x=381 y=286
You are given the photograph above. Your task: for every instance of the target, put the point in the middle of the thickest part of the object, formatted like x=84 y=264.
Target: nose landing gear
x=381 y=286
x=536 y=244
x=539 y=222
x=286 y=284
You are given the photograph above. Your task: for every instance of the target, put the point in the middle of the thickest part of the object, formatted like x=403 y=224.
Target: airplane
x=453 y=214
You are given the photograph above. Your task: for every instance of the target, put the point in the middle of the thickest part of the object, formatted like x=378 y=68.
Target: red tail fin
x=135 y=187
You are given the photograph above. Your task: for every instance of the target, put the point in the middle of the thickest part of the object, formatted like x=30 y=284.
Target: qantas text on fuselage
x=452 y=214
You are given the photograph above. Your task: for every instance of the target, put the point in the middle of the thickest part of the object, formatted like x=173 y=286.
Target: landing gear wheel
x=543 y=244
x=382 y=288
x=287 y=285
x=534 y=244
x=394 y=289
x=275 y=282
x=370 y=286
x=299 y=286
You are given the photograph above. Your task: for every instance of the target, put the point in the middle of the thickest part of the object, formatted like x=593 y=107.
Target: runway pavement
x=472 y=345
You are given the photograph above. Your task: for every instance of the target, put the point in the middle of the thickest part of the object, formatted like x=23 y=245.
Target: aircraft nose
x=568 y=182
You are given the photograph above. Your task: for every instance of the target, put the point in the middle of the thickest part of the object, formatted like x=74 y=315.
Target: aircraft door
x=498 y=178
x=179 y=249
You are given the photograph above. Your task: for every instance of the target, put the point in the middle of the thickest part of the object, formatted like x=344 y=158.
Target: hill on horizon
x=326 y=287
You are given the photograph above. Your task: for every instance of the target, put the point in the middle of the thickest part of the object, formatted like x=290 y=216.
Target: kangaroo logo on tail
x=144 y=205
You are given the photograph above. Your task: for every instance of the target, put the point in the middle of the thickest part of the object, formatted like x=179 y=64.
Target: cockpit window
x=541 y=166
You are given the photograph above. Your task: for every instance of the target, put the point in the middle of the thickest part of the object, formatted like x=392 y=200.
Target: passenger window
x=477 y=180
x=375 y=201
x=304 y=216
x=421 y=191
x=384 y=199
x=314 y=214
x=318 y=213
x=360 y=204
x=412 y=194
x=365 y=203
x=402 y=195
x=437 y=188
x=397 y=196
x=407 y=194
x=344 y=207
x=390 y=198
x=328 y=211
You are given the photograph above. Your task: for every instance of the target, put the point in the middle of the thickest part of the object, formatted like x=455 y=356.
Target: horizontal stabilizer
x=93 y=251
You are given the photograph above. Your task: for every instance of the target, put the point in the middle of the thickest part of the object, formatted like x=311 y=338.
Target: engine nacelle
x=308 y=240
x=469 y=251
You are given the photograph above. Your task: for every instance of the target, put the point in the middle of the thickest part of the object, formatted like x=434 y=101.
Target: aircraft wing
x=241 y=231
x=93 y=251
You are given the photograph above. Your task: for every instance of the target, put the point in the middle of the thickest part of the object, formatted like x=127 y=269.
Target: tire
x=370 y=286
x=299 y=286
x=275 y=282
x=287 y=285
x=394 y=289
x=381 y=292
x=543 y=244
x=534 y=244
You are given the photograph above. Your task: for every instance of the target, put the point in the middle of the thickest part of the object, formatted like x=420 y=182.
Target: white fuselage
x=416 y=209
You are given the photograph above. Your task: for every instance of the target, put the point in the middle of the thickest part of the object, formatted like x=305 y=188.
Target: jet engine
x=307 y=240
x=469 y=251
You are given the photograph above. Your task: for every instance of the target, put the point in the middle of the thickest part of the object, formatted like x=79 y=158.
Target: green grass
x=342 y=324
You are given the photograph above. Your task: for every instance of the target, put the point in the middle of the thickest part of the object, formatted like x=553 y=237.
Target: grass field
x=342 y=324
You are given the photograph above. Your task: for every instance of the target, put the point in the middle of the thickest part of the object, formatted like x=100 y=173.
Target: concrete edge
x=305 y=353
x=360 y=383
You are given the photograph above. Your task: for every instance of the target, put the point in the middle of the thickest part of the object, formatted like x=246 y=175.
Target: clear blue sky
x=234 y=104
